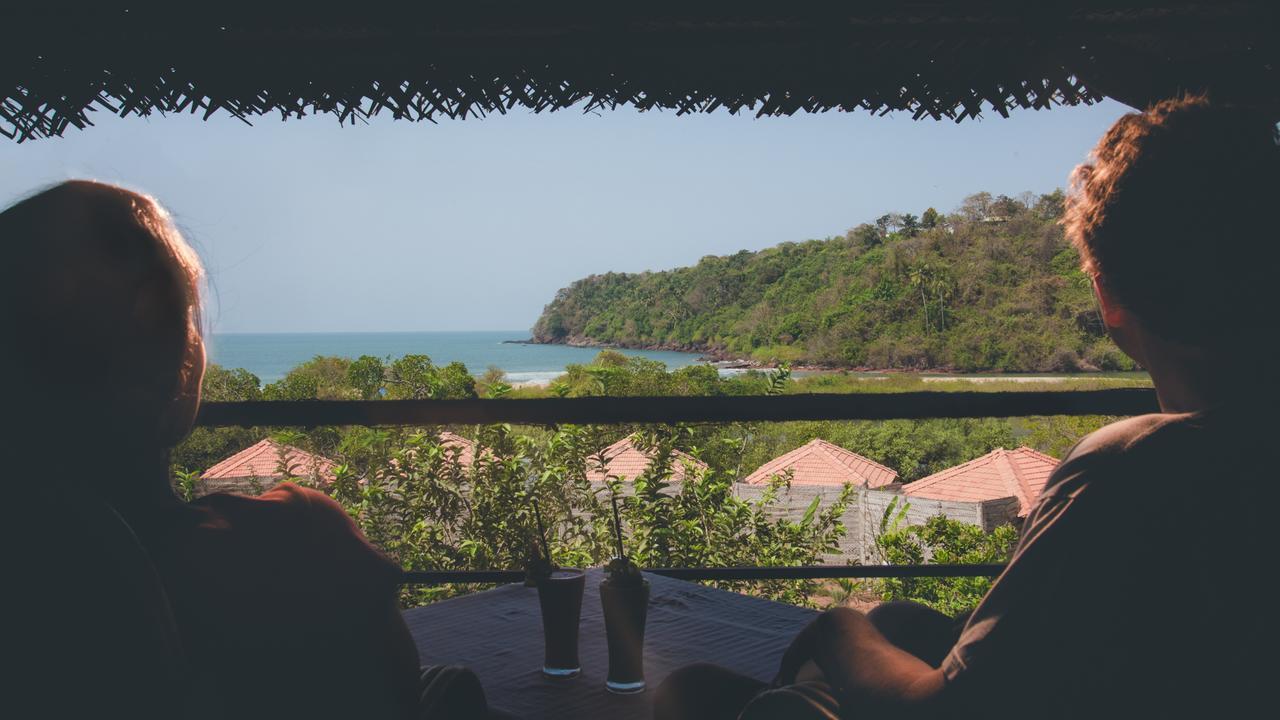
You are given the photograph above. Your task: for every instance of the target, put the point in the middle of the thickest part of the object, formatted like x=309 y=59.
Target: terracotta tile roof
x=819 y=462
x=453 y=442
x=1001 y=473
x=626 y=461
x=262 y=462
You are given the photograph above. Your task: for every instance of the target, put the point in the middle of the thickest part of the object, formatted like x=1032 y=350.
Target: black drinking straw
x=617 y=525
x=542 y=532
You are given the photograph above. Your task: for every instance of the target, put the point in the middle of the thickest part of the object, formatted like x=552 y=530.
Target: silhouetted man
x=1139 y=587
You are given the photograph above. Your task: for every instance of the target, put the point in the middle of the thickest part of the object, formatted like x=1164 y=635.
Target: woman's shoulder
x=294 y=513
x=322 y=512
x=292 y=517
x=305 y=499
x=288 y=508
x=284 y=500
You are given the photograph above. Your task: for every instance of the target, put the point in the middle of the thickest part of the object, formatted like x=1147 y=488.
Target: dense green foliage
x=914 y=448
x=414 y=498
x=703 y=523
x=320 y=378
x=940 y=541
x=614 y=374
x=991 y=286
x=206 y=446
x=411 y=377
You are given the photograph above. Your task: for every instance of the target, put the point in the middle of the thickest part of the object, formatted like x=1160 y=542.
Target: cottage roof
x=1001 y=473
x=423 y=61
x=819 y=462
x=453 y=442
x=262 y=461
x=626 y=462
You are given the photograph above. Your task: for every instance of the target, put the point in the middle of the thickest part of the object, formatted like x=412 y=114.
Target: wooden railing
x=715 y=409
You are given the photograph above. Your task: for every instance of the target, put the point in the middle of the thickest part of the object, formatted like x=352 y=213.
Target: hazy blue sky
x=309 y=226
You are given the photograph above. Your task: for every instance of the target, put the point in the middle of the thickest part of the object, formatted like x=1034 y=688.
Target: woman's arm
x=368 y=582
x=401 y=657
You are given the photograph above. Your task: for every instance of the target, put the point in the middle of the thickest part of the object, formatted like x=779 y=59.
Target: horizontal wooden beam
x=820 y=572
x=613 y=410
x=802 y=572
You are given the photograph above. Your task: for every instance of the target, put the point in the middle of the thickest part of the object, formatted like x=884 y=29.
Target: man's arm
x=868 y=675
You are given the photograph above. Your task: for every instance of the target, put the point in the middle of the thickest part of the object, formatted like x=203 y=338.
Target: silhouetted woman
x=281 y=608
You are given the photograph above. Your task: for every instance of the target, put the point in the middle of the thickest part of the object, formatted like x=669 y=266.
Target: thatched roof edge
x=941 y=60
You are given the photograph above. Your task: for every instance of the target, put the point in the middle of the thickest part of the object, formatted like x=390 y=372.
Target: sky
x=309 y=226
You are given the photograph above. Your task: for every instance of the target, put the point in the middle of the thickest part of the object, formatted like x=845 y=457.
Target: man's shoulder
x=1132 y=442
x=1125 y=436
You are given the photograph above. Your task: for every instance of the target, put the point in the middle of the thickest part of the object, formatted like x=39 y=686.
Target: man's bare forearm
x=869 y=675
x=799 y=654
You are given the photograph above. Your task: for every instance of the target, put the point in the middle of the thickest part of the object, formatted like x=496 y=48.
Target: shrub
x=414 y=498
x=940 y=541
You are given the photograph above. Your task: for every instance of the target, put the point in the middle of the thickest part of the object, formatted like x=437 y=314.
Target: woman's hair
x=1174 y=216
x=100 y=309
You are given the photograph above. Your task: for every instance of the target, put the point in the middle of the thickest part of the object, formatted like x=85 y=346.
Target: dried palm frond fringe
x=930 y=59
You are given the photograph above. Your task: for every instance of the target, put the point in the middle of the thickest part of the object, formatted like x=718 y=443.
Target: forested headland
x=991 y=286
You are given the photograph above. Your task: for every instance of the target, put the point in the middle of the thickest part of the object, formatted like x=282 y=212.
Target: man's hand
x=810 y=672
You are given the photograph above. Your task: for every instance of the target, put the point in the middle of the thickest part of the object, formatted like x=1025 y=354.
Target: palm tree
x=919 y=277
x=942 y=291
x=841 y=591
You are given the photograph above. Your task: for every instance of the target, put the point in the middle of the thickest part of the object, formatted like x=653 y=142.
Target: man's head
x=1175 y=219
x=100 y=310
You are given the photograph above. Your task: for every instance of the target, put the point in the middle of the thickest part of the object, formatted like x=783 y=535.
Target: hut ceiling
x=428 y=60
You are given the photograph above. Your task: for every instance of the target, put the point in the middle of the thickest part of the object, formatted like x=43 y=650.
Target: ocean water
x=271 y=355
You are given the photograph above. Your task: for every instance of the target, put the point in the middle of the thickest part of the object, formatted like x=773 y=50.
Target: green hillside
x=991 y=286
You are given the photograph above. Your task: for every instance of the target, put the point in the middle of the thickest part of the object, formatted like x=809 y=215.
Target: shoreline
x=875 y=376
x=722 y=361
